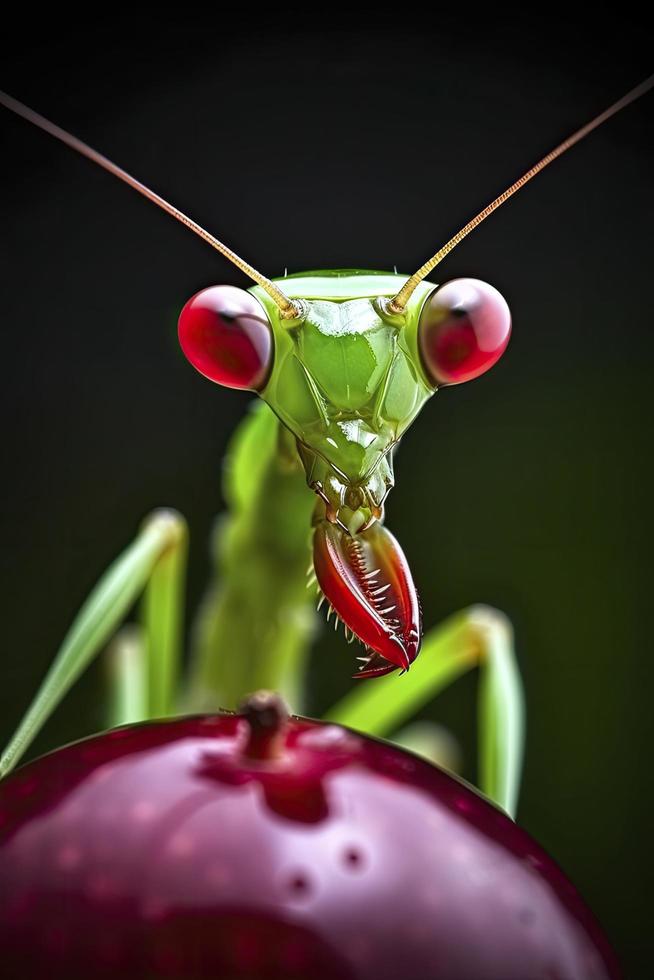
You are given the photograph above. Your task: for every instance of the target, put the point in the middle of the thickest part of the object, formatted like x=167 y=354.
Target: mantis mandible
x=342 y=362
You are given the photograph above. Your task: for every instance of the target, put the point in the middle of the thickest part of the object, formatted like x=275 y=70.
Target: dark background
x=354 y=144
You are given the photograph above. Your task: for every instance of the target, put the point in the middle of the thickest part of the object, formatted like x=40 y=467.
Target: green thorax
x=346 y=379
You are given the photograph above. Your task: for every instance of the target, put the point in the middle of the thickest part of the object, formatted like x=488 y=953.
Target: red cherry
x=225 y=334
x=255 y=846
x=464 y=329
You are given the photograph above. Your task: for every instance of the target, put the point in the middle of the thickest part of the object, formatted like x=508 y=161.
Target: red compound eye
x=464 y=329
x=225 y=334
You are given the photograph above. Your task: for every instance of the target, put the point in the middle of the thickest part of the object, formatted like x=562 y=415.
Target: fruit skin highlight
x=258 y=846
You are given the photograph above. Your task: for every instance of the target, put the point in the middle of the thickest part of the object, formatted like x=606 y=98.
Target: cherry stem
x=266 y=714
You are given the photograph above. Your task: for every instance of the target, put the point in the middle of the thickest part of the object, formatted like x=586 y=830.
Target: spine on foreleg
x=256 y=621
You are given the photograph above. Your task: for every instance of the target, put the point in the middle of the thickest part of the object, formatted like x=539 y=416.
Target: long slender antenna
x=282 y=301
x=398 y=303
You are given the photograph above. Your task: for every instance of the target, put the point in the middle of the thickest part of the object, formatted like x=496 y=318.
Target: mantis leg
x=163 y=623
x=144 y=662
x=477 y=637
x=154 y=556
x=432 y=742
x=127 y=679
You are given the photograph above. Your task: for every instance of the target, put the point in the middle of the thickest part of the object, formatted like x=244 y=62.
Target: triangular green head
x=346 y=376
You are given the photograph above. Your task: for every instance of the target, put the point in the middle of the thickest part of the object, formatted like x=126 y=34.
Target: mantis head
x=347 y=360
x=346 y=374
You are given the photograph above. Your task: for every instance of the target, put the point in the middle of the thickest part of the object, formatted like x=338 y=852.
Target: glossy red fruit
x=225 y=334
x=250 y=849
x=464 y=329
x=367 y=580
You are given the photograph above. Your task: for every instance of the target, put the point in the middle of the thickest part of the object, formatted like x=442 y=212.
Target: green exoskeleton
x=343 y=361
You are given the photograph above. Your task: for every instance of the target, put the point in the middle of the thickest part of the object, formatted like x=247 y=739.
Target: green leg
x=501 y=710
x=143 y=662
x=479 y=636
x=433 y=742
x=163 y=625
x=96 y=622
x=127 y=681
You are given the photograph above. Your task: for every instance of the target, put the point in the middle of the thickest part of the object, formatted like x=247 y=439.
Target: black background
x=360 y=142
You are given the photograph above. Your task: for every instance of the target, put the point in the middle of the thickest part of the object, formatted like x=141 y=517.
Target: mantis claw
x=366 y=578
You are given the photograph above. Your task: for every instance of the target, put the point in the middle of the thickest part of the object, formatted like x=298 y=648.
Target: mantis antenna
x=283 y=302
x=398 y=303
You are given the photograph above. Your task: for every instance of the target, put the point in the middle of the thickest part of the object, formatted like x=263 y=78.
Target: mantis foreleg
x=479 y=636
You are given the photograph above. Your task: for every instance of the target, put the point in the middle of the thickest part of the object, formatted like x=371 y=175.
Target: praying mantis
x=342 y=362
